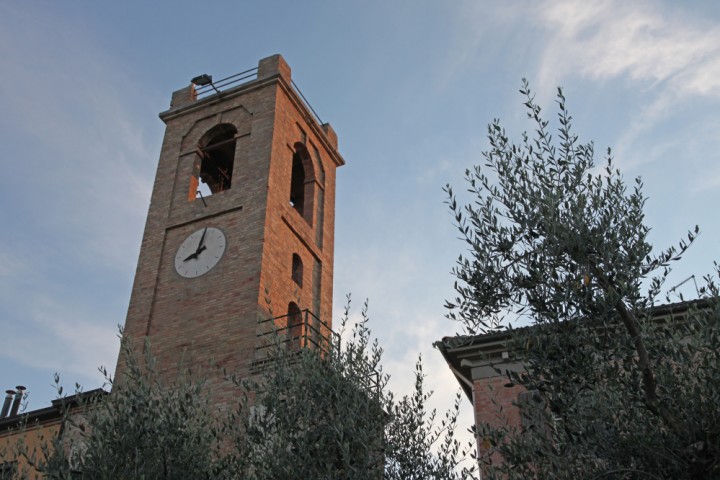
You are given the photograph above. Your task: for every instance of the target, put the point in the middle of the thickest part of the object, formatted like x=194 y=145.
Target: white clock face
x=200 y=252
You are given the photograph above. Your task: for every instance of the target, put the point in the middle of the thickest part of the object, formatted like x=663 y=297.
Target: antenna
x=685 y=281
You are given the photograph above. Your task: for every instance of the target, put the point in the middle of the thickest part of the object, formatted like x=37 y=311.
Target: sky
x=409 y=86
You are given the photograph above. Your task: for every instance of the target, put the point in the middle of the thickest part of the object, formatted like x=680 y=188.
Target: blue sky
x=409 y=86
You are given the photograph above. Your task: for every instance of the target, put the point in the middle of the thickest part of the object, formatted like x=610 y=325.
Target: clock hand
x=202 y=240
x=196 y=254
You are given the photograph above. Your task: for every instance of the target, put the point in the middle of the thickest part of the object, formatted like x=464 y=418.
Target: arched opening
x=297 y=270
x=216 y=157
x=297 y=184
x=294 y=326
x=302 y=183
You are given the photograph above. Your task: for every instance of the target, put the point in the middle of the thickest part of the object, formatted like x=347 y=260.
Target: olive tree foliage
x=315 y=414
x=562 y=244
x=330 y=416
x=147 y=428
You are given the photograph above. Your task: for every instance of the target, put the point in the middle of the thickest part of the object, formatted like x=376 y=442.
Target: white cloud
x=10 y=265
x=62 y=337
x=603 y=40
x=81 y=170
x=710 y=181
x=666 y=54
x=74 y=136
x=657 y=56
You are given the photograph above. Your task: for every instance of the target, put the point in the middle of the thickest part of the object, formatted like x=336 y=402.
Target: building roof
x=54 y=412
x=488 y=351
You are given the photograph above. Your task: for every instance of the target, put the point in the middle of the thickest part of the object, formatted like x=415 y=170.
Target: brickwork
x=213 y=318
x=495 y=405
x=476 y=362
x=494 y=402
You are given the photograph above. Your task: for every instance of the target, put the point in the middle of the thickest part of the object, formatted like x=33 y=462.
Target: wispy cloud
x=667 y=54
x=609 y=39
x=80 y=167
x=70 y=338
x=10 y=265
x=75 y=136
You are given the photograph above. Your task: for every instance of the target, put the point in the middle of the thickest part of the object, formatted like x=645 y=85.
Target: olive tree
x=331 y=416
x=321 y=413
x=147 y=428
x=558 y=243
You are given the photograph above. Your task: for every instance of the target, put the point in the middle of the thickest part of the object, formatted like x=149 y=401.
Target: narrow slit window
x=297 y=270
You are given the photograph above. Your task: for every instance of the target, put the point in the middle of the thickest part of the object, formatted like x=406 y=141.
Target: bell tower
x=241 y=223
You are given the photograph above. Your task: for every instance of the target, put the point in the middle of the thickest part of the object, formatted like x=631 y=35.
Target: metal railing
x=304 y=330
x=246 y=77
x=227 y=82
x=307 y=104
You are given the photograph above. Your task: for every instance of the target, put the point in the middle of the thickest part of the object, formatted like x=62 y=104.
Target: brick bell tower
x=240 y=226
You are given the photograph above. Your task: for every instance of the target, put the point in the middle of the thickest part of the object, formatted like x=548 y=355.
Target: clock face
x=200 y=252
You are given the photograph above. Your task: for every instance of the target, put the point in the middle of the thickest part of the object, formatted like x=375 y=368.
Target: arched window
x=297 y=270
x=294 y=325
x=216 y=156
x=297 y=184
x=302 y=182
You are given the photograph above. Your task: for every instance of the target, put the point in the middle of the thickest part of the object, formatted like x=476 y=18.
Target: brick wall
x=213 y=319
x=494 y=405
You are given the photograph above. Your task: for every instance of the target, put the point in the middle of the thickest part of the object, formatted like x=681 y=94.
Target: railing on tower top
x=227 y=82
x=303 y=330
x=246 y=77
x=307 y=104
